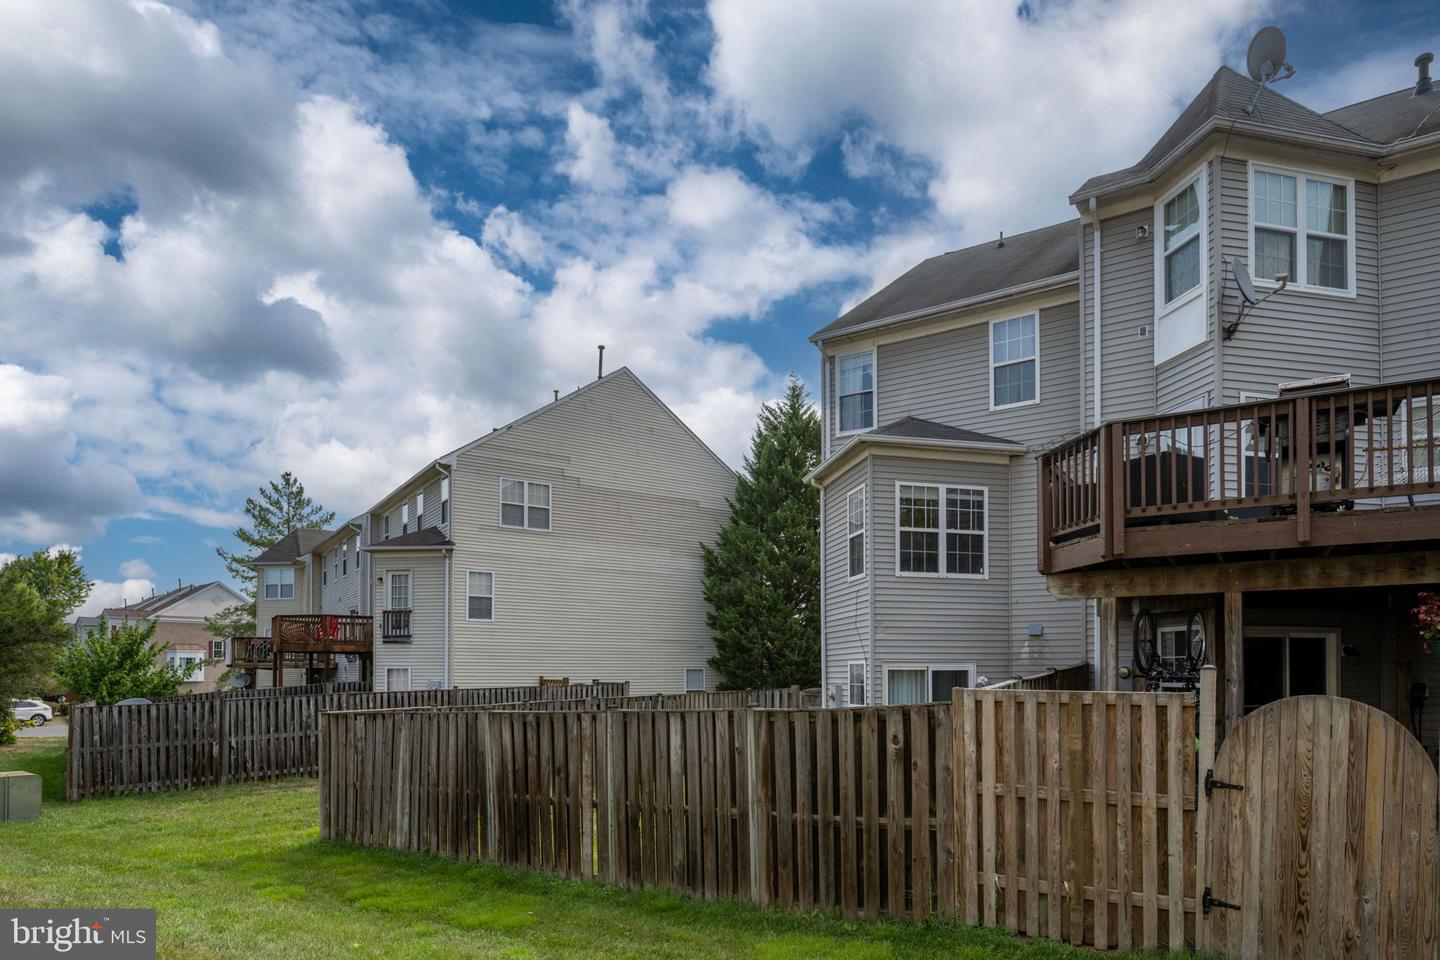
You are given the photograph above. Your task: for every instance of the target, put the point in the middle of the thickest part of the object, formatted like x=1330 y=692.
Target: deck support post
x=1109 y=609
x=1234 y=619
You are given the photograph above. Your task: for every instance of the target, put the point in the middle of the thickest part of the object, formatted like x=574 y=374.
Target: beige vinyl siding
x=847 y=602
x=265 y=609
x=1410 y=277
x=1127 y=302
x=1297 y=335
x=614 y=590
x=929 y=620
x=424 y=653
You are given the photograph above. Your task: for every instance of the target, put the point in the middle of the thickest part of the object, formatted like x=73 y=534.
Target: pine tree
x=280 y=508
x=762 y=579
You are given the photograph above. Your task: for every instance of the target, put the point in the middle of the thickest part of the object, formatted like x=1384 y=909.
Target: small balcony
x=395 y=625
x=1311 y=472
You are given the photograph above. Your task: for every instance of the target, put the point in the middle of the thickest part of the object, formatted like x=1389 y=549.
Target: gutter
x=959 y=446
x=1034 y=286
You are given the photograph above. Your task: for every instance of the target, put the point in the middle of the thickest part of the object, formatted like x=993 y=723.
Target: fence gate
x=1322 y=837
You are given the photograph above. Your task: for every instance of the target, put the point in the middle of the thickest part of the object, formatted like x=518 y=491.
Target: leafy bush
x=8 y=725
x=113 y=665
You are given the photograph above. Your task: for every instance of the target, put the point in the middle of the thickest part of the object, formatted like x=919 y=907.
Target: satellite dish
x=133 y=702
x=1266 y=56
x=240 y=681
x=1243 y=281
x=1266 y=61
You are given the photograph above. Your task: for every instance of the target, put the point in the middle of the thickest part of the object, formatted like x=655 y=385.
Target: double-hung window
x=404 y=518
x=480 y=595
x=941 y=530
x=1180 y=241
x=217 y=649
x=856 y=693
x=420 y=511
x=399 y=591
x=524 y=504
x=855 y=535
x=387 y=526
x=856 y=376
x=444 y=500
x=1310 y=247
x=1014 y=357
x=279 y=583
x=344 y=559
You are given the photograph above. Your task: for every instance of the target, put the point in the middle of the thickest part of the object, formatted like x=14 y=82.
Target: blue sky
x=342 y=237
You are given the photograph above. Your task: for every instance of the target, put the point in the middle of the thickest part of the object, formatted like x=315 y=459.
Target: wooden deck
x=1307 y=474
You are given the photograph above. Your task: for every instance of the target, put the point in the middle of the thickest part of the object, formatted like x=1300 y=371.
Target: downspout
x=824 y=659
x=1095 y=259
x=448 y=614
x=824 y=405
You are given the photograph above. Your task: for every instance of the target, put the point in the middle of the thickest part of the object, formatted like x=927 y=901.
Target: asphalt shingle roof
x=294 y=545
x=917 y=429
x=988 y=267
x=1393 y=117
x=429 y=537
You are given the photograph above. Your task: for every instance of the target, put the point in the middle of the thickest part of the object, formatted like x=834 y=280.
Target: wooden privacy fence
x=781 y=698
x=1070 y=815
x=1076 y=677
x=184 y=742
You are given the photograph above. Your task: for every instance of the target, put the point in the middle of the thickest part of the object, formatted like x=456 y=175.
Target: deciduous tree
x=108 y=666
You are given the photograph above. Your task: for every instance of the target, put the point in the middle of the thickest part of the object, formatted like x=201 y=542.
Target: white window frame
x=344 y=559
x=390 y=575
x=397 y=670
x=1162 y=308
x=279 y=585
x=685 y=680
x=444 y=500
x=468 y=595
x=929 y=669
x=217 y=649
x=943 y=574
x=1035 y=314
x=850 y=683
x=404 y=518
x=851 y=535
x=196 y=658
x=1301 y=174
x=525 y=488
x=874 y=356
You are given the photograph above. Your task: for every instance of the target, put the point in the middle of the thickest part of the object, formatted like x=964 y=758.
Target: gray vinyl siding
x=1065 y=624
x=847 y=602
x=614 y=590
x=1297 y=335
x=1127 y=301
x=927 y=620
x=424 y=653
x=341 y=592
x=1410 y=277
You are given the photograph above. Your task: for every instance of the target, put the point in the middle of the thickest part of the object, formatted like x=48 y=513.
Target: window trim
x=1163 y=309
x=850 y=666
x=944 y=554
x=265 y=585
x=468 y=595
x=874 y=355
x=1301 y=174
x=526 y=484
x=685 y=680
x=410 y=590
x=929 y=669
x=444 y=500
x=194 y=657
x=409 y=681
x=990 y=332
x=863 y=534
x=215 y=645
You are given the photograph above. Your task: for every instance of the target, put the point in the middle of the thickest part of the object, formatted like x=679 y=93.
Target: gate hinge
x=1212 y=784
x=1207 y=902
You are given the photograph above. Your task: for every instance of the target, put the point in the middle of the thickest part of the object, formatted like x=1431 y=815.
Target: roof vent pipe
x=1423 y=84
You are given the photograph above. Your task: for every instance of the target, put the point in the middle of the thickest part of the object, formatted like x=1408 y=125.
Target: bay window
x=1311 y=249
x=1181 y=242
x=856 y=376
x=941 y=530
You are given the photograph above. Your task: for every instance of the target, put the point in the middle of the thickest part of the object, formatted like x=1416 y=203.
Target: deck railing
x=1296 y=456
x=348 y=633
x=395 y=625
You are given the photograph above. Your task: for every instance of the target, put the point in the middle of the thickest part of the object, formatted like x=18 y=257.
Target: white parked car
x=35 y=712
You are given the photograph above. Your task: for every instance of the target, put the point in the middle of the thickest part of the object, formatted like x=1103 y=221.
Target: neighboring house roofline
x=446 y=461
x=1042 y=285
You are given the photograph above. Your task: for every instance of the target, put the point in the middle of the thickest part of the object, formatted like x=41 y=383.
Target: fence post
x=72 y=764
x=323 y=762
x=491 y=772
x=1204 y=762
x=222 y=742
x=752 y=803
x=611 y=875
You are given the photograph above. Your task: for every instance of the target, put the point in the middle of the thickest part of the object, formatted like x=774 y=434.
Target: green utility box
x=19 y=795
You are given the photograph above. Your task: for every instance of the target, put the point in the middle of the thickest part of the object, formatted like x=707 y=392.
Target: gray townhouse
x=941 y=390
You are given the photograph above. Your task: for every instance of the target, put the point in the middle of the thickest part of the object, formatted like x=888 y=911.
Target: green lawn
x=241 y=872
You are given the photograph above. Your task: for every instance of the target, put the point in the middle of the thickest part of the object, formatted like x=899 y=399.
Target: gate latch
x=1207 y=902
x=1212 y=784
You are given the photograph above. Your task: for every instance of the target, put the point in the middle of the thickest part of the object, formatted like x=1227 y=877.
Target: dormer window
x=856 y=388
x=1310 y=246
